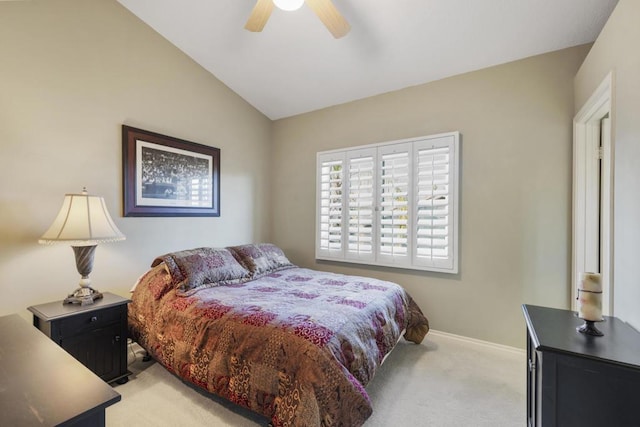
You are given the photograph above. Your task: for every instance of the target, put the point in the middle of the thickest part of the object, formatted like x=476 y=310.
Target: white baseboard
x=492 y=345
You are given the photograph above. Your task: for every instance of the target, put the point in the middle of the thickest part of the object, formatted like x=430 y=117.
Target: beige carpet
x=442 y=382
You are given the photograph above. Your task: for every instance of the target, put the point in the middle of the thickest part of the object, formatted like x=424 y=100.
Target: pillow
x=200 y=268
x=261 y=259
x=277 y=259
x=157 y=280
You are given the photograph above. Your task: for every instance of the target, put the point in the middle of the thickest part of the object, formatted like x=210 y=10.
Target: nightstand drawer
x=91 y=320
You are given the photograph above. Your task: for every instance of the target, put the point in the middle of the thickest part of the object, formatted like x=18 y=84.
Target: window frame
x=411 y=145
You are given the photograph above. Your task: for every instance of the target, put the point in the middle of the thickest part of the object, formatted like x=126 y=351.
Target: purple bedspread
x=297 y=346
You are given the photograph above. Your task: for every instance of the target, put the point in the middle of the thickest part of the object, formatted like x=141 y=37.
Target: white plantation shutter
x=394 y=211
x=330 y=202
x=435 y=203
x=392 y=204
x=360 y=204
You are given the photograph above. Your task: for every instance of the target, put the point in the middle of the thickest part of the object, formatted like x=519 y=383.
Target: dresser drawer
x=91 y=320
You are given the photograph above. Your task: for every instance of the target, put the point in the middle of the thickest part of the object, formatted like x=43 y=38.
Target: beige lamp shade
x=83 y=220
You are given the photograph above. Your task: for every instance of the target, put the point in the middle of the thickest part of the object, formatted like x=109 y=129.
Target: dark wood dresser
x=42 y=385
x=94 y=334
x=575 y=379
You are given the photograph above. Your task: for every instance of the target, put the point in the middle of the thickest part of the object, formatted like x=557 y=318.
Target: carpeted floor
x=442 y=382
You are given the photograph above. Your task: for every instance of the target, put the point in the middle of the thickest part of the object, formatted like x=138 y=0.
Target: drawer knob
x=94 y=318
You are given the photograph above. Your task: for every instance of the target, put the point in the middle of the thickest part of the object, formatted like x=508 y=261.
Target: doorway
x=592 y=246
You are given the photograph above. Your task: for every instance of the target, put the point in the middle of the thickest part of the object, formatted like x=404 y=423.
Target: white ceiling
x=295 y=65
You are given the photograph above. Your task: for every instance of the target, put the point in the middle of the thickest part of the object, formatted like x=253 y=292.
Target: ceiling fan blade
x=330 y=17
x=259 y=15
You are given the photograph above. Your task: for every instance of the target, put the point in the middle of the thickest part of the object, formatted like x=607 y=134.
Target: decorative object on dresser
x=42 y=385
x=578 y=379
x=83 y=222
x=167 y=176
x=96 y=334
x=590 y=303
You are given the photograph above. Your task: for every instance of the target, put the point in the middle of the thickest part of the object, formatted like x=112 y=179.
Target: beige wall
x=515 y=120
x=71 y=73
x=617 y=49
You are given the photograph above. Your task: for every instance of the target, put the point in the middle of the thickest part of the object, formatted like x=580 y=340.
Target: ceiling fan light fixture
x=288 y=5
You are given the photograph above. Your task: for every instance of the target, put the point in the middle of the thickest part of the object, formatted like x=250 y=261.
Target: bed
x=293 y=344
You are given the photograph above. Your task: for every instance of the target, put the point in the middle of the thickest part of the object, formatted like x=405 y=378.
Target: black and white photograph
x=166 y=176
x=171 y=175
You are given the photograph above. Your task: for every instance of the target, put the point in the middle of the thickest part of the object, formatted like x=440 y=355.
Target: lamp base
x=83 y=296
x=589 y=328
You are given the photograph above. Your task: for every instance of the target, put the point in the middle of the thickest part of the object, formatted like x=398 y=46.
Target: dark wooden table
x=581 y=380
x=42 y=385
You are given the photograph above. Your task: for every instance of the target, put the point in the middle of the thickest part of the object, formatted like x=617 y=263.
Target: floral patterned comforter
x=297 y=345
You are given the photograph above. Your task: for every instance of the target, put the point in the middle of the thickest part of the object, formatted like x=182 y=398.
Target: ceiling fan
x=325 y=9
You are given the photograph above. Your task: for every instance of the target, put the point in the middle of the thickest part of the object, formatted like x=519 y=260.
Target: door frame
x=586 y=137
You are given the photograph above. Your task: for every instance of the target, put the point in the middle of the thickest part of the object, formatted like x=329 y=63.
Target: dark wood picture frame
x=167 y=176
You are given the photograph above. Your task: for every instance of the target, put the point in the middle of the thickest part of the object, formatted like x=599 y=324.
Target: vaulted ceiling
x=295 y=65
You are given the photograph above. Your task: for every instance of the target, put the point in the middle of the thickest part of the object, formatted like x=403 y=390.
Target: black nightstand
x=94 y=334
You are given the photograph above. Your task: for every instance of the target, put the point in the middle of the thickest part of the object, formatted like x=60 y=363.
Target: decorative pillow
x=261 y=259
x=277 y=259
x=157 y=280
x=195 y=269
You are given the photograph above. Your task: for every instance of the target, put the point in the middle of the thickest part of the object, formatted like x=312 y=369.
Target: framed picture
x=166 y=176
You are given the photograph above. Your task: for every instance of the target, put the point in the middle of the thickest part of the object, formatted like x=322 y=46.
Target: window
x=329 y=240
x=360 y=201
x=392 y=204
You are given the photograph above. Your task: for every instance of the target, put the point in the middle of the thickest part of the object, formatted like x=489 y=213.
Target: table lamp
x=83 y=222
